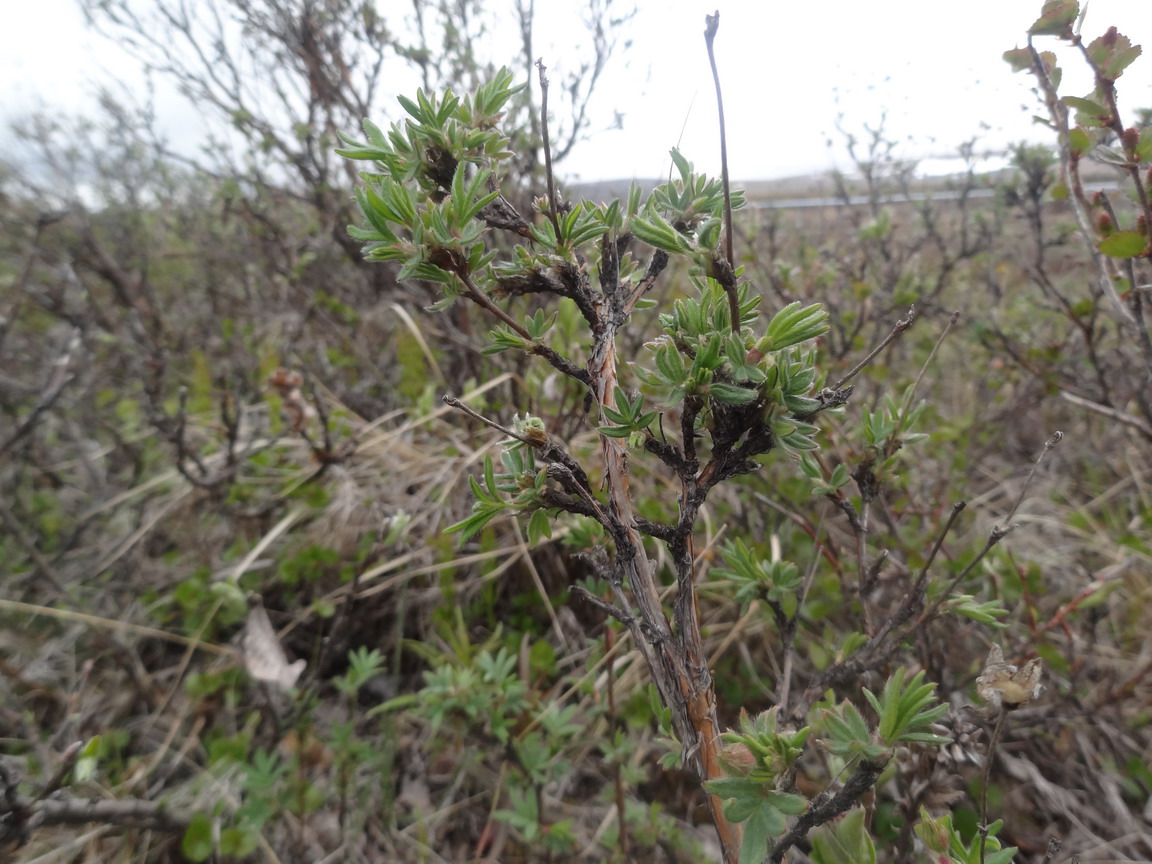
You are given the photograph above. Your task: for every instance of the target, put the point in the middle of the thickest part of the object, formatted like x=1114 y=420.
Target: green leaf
x=238 y=842
x=1112 y=53
x=490 y=475
x=1086 y=106
x=758 y=833
x=788 y=803
x=1144 y=145
x=88 y=761
x=905 y=708
x=1056 y=18
x=1004 y=856
x=792 y=325
x=539 y=527
x=654 y=231
x=1124 y=244
x=1018 y=58
x=735 y=787
x=466 y=528
x=197 y=842
x=670 y=363
x=843 y=840
x=1080 y=142
x=731 y=394
x=986 y=613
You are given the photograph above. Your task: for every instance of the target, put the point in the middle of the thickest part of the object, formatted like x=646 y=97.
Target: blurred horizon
x=932 y=93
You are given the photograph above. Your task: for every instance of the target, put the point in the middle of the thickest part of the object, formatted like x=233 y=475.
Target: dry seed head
x=1003 y=684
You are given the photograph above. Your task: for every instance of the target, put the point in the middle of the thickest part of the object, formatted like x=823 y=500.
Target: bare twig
x=1111 y=413
x=1055 y=439
x=552 y=203
x=711 y=25
x=60 y=376
x=825 y=808
x=997 y=731
x=130 y=813
x=898 y=328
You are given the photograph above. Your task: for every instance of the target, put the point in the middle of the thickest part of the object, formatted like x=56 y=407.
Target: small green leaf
x=238 y=842
x=794 y=324
x=1080 y=142
x=734 y=787
x=1019 y=59
x=466 y=528
x=1144 y=145
x=788 y=803
x=654 y=231
x=539 y=527
x=197 y=842
x=731 y=394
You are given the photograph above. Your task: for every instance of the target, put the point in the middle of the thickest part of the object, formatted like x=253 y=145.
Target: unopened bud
x=738 y=759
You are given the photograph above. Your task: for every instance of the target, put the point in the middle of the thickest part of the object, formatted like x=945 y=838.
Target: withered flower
x=1003 y=684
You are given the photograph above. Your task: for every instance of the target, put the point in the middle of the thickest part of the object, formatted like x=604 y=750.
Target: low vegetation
x=508 y=526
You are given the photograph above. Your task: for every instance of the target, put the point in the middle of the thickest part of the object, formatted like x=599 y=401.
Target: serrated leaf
x=1124 y=244
x=1113 y=53
x=1056 y=18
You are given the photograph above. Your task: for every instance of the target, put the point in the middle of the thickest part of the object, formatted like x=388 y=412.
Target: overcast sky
x=788 y=70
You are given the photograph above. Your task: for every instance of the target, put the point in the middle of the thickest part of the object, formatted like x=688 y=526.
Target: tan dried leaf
x=264 y=658
x=1004 y=684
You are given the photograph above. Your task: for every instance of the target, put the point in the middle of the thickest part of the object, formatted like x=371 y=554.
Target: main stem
x=677 y=660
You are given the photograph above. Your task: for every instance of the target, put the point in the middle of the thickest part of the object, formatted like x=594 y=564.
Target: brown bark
x=677 y=660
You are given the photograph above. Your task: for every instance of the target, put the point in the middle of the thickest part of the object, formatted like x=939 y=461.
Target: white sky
x=787 y=69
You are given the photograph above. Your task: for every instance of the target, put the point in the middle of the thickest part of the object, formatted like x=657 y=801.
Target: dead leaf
x=264 y=658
